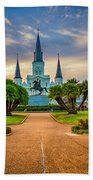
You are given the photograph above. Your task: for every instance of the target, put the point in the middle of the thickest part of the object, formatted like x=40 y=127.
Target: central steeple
x=38 y=55
x=38 y=63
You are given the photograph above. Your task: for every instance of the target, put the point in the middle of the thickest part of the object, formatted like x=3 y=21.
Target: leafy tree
x=71 y=93
x=15 y=95
x=73 y=80
x=67 y=94
x=56 y=93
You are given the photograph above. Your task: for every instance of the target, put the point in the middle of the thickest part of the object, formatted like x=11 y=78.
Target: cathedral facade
x=38 y=84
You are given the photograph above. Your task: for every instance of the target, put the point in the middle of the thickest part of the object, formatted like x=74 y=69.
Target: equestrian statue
x=37 y=86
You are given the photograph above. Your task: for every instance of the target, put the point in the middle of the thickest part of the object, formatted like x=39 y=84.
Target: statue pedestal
x=38 y=100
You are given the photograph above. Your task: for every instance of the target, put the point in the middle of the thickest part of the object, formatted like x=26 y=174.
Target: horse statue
x=37 y=86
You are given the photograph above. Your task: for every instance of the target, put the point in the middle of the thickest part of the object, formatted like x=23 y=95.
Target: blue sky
x=63 y=30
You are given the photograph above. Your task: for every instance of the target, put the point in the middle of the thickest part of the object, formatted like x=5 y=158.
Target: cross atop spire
x=17 y=71
x=58 y=72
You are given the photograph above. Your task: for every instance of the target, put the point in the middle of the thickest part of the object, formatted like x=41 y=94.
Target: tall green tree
x=67 y=94
x=56 y=93
x=15 y=95
x=71 y=93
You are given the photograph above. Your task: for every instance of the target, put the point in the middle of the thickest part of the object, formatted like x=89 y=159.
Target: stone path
x=41 y=145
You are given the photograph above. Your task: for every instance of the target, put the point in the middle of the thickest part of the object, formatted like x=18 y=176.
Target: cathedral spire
x=38 y=53
x=58 y=72
x=17 y=71
x=38 y=45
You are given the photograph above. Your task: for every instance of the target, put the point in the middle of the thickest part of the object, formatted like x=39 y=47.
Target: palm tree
x=56 y=92
x=71 y=93
x=73 y=80
x=67 y=94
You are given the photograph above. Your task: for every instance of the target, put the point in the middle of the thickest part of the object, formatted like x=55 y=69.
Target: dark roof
x=58 y=72
x=17 y=71
x=38 y=53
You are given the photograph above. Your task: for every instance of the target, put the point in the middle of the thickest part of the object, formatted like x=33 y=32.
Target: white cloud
x=44 y=35
x=27 y=28
x=10 y=41
x=7 y=21
x=26 y=35
x=81 y=41
x=79 y=37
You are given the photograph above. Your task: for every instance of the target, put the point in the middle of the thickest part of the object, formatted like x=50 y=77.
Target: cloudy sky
x=63 y=30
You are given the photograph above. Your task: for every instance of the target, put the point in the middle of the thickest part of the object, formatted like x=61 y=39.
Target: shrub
x=49 y=107
x=20 y=108
x=78 y=130
x=8 y=130
x=83 y=123
x=81 y=128
x=75 y=129
x=43 y=108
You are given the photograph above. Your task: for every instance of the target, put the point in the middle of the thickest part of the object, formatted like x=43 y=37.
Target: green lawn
x=16 y=118
x=64 y=117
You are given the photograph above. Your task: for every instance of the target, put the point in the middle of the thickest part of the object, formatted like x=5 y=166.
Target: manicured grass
x=64 y=117
x=16 y=118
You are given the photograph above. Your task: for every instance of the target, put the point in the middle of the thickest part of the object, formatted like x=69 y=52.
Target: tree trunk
x=63 y=105
x=14 y=105
x=73 y=111
x=10 y=106
x=84 y=98
x=8 y=113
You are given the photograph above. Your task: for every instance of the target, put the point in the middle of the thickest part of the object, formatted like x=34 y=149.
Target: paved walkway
x=41 y=145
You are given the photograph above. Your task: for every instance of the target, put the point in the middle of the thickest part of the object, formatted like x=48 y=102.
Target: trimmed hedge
x=43 y=108
x=20 y=108
x=8 y=130
x=39 y=108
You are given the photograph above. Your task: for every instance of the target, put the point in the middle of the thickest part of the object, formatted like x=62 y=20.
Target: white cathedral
x=38 y=84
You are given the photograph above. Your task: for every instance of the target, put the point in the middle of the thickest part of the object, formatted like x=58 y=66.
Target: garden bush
x=81 y=128
x=38 y=108
x=83 y=123
x=20 y=108
x=8 y=130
